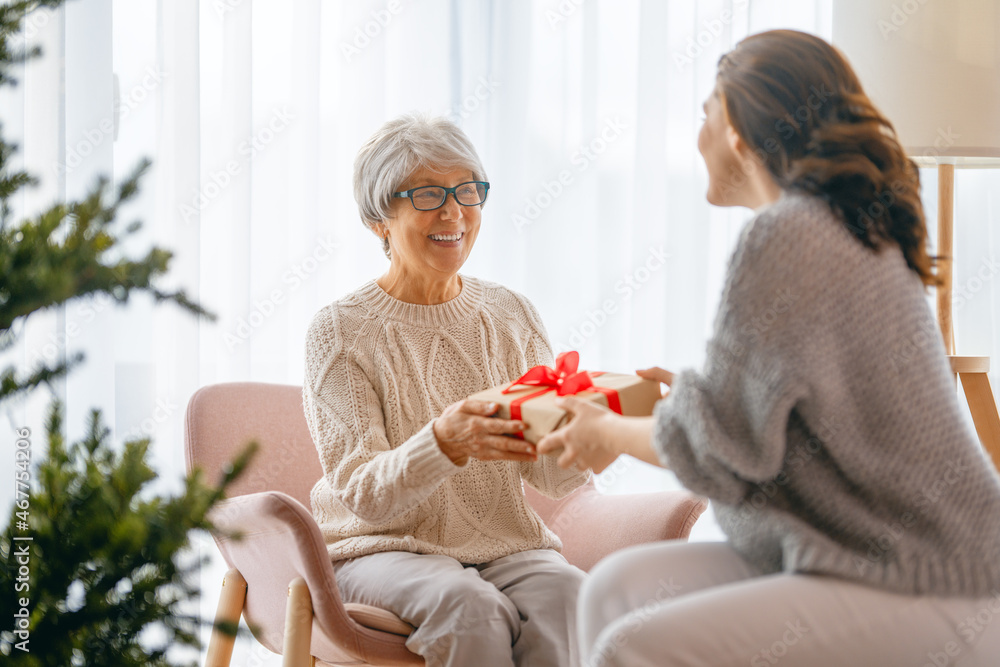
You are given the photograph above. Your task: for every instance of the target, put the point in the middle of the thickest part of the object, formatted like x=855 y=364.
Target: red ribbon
x=564 y=379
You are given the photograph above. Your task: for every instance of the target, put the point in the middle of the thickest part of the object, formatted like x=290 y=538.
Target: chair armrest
x=592 y=525
x=281 y=541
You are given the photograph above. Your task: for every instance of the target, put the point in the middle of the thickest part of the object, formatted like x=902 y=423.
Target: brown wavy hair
x=797 y=103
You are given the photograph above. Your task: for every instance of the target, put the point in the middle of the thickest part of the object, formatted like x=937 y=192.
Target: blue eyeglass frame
x=447 y=191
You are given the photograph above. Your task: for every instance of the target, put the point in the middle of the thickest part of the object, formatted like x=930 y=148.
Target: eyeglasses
x=430 y=197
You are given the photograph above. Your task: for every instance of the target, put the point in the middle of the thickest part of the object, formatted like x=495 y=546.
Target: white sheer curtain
x=585 y=115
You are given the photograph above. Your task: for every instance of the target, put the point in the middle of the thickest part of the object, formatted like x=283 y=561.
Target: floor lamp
x=934 y=70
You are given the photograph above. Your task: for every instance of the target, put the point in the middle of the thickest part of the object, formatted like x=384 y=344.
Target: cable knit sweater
x=378 y=371
x=825 y=424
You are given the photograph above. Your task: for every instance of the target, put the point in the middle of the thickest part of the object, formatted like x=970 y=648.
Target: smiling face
x=432 y=244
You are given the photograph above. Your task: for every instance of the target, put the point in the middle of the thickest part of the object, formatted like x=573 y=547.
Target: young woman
x=863 y=519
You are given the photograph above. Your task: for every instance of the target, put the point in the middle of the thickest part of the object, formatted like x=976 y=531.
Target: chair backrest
x=222 y=418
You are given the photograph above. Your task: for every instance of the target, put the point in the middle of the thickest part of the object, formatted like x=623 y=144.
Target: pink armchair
x=281 y=579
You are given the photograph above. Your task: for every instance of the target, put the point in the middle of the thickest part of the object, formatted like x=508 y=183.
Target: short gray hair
x=398 y=149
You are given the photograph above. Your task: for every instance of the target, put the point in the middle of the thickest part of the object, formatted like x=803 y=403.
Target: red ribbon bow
x=564 y=378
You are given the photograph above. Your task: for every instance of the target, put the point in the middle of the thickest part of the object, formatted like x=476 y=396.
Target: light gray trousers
x=673 y=603
x=516 y=610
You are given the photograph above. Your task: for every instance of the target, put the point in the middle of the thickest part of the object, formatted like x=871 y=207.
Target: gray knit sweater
x=825 y=424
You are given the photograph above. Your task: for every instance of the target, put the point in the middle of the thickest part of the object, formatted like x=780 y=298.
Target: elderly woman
x=421 y=502
x=863 y=519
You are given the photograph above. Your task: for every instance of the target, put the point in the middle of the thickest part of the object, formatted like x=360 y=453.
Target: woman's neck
x=767 y=194
x=760 y=190
x=419 y=289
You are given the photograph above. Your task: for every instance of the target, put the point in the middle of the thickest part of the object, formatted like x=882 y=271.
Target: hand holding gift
x=659 y=375
x=532 y=397
x=466 y=430
x=585 y=441
x=594 y=436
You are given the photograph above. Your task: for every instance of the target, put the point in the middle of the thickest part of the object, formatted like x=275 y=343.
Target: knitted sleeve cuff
x=425 y=462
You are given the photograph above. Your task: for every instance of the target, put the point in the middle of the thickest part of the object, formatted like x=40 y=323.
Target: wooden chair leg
x=298 y=626
x=983 y=407
x=234 y=593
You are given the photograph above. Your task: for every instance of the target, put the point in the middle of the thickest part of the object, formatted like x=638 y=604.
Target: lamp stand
x=971 y=371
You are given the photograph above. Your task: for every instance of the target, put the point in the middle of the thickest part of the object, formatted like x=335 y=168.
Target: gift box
x=531 y=398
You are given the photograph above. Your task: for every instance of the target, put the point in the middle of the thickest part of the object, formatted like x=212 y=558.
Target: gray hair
x=398 y=149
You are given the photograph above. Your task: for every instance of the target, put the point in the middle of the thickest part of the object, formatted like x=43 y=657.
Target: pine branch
x=12 y=386
x=67 y=252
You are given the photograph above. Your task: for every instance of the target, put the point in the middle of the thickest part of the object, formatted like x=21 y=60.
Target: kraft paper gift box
x=634 y=396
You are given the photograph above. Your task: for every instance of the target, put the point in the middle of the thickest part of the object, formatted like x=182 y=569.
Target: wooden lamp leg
x=234 y=593
x=298 y=626
x=983 y=407
x=946 y=213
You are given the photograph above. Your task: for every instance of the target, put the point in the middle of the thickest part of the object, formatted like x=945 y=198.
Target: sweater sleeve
x=724 y=429
x=544 y=475
x=361 y=470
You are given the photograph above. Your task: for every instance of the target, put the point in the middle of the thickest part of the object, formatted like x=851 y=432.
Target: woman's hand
x=465 y=429
x=659 y=375
x=585 y=441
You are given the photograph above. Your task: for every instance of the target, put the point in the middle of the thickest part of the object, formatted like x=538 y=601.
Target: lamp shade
x=933 y=68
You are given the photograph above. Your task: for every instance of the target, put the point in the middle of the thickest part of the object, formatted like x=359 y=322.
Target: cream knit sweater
x=825 y=424
x=378 y=371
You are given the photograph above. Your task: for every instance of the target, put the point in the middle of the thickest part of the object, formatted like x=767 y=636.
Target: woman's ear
x=735 y=141
x=381 y=230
